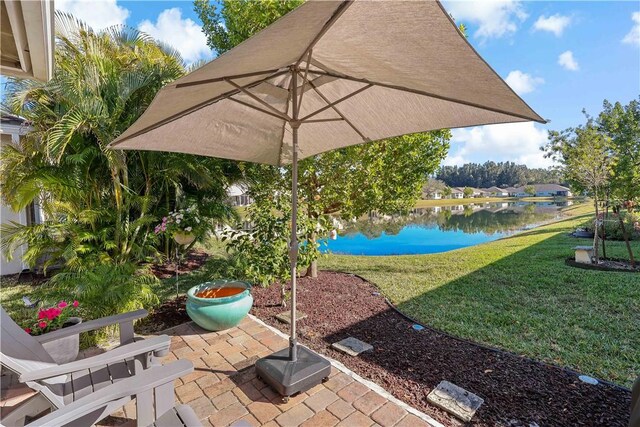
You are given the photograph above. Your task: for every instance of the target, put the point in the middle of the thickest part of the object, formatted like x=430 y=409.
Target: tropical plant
x=467 y=192
x=99 y=204
x=107 y=289
x=530 y=190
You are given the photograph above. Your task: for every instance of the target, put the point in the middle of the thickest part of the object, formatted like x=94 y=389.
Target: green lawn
x=517 y=294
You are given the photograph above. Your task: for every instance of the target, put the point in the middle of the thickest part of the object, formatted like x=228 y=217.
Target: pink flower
x=75 y=303
x=41 y=314
x=42 y=324
x=62 y=304
x=27 y=330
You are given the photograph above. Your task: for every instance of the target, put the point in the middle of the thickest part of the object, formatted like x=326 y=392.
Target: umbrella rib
x=336 y=14
x=421 y=92
x=316 y=90
x=305 y=79
x=336 y=119
x=332 y=104
x=220 y=79
x=255 y=98
x=284 y=125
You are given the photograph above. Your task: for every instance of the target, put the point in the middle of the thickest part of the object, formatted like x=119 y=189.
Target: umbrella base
x=287 y=377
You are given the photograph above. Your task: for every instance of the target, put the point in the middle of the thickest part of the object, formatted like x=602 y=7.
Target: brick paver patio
x=224 y=391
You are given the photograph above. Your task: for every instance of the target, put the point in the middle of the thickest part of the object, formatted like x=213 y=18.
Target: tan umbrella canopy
x=365 y=71
x=329 y=74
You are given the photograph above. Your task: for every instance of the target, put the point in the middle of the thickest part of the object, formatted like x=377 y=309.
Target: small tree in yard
x=622 y=125
x=446 y=192
x=585 y=155
x=467 y=192
x=530 y=190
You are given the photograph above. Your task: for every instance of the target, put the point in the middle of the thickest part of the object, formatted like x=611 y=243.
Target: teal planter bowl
x=217 y=314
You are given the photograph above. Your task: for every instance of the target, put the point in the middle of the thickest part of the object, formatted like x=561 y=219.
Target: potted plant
x=53 y=318
x=184 y=225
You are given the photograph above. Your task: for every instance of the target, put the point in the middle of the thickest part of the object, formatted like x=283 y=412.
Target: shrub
x=104 y=290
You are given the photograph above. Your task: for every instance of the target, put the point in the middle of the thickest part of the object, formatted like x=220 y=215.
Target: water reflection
x=439 y=229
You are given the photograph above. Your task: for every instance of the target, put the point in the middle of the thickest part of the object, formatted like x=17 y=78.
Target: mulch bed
x=606 y=264
x=409 y=363
x=189 y=262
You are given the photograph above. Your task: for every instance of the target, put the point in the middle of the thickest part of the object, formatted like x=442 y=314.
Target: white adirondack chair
x=60 y=385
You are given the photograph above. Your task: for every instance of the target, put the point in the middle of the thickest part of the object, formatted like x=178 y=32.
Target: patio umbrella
x=327 y=75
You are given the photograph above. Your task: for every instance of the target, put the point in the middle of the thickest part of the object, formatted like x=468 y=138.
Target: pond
x=439 y=229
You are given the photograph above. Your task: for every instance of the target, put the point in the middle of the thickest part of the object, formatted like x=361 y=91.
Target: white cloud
x=567 y=61
x=523 y=83
x=515 y=142
x=183 y=34
x=633 y=36
x=98 y=14
x=495 y=18
x=554 y=24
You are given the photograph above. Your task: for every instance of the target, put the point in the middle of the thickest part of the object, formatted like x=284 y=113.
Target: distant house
x=456 y=193
x=496 y=192
x=478 y=192
x=545 y=190
x=511 y=191
x=238 y=195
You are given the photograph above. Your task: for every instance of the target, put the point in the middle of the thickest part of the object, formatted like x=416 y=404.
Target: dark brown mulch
x=171 y=313
x=409 y=363
x=189 y=262
x=606 y=264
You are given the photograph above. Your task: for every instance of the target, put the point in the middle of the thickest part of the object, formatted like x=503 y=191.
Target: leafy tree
x=467 y=192
x=585 y=155
x=621 y=124
x=236 y=20
x=501 y=174
x=433 y=186
x=530 y=190
x=100 y=205
x=386 y=176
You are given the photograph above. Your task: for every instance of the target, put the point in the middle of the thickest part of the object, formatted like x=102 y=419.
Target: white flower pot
x=66 y=349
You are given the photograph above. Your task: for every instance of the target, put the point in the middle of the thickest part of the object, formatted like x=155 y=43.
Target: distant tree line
x=501 y=174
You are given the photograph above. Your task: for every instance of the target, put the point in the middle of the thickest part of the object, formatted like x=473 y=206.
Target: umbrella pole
x=293 y=250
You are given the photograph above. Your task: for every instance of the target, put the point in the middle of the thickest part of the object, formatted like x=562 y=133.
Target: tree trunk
x=604 y=229
x=626 y=241
x=283 y=296
x=595 y=229
x=312 y=271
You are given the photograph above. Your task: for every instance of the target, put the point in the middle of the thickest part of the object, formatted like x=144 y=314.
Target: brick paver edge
x=370 y=384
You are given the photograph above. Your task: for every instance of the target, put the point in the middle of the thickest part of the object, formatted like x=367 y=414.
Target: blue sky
x=560 y=56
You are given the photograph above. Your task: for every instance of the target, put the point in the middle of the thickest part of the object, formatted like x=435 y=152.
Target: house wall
x=10 y=134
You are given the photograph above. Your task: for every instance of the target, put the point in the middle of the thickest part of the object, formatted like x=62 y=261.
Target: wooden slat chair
x=59 y=385
x=153 y=390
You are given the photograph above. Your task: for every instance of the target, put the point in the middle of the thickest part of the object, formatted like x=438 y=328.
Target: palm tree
x=99 y=203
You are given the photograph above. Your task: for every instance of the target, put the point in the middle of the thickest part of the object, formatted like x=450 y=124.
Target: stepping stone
x=285 y=316
x=352 y=346
x=455 y=400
